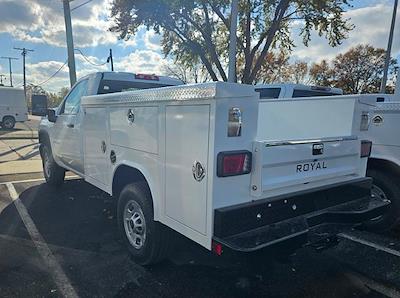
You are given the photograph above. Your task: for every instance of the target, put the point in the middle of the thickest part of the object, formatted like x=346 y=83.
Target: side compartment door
x=187 y=136
x=96 y=145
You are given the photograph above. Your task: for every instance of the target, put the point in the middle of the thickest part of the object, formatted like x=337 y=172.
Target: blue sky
x=39 y=25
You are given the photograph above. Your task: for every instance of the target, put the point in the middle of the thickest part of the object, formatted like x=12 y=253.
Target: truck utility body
x=220 y=168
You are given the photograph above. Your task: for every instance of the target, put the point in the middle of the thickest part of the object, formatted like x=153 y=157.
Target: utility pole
x=389 y=48
x=110 y=60
x=24 y=53
x=232 y=42
x=70 y=42
x=9 y=65
x=1 y=79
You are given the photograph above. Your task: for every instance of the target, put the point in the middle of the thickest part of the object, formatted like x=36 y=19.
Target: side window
x=73 y=100
x=269 y=93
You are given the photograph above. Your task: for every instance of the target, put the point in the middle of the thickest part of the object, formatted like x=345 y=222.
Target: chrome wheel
x=134 y=224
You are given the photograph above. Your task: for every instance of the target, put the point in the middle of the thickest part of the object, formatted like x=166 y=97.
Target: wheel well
x=384 y=165
x=125 y=175
x=9 y=116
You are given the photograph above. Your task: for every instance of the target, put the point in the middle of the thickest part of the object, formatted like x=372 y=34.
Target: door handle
x=70 y=125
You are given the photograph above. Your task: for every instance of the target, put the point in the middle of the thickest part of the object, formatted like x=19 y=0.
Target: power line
x=80 y=5
x=87 y=59
x=53 y=75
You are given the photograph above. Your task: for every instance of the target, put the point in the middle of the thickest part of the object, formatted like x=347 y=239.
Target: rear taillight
x=232 y=163
x=366 y=148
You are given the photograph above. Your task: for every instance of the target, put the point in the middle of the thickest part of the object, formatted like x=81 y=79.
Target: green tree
x=359 y=70
x=199 y=29
x=54 y=99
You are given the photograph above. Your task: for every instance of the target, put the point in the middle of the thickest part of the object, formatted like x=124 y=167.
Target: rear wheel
x=385 y=186
x=53 y=173
x=8 y=122
x=148 y=241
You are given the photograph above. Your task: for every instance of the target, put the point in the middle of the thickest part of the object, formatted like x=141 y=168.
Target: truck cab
x=287 y=90
x=65 y=134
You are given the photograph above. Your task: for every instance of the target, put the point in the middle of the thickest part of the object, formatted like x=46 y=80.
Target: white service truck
x=214 y=163
x=13 y=107
x=384 y=163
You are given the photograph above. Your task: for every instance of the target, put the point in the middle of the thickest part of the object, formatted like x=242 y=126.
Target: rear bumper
x=255 y=225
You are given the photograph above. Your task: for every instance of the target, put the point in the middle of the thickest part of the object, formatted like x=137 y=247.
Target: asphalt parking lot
x=65 y=242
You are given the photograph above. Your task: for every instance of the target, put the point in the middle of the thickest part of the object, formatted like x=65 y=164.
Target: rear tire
x=53 y=173
x=147 y=240
x=8 y=122
x=386 y=187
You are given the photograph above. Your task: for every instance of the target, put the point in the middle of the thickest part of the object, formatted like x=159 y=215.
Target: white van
x=13 y=107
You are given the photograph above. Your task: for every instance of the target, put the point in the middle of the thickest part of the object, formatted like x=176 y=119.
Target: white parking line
x=370 y=244
x=60 y=278
x=73 y=177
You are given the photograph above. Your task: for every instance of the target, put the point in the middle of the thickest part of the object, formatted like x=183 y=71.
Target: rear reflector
x=217 y=248
x=366 y=147
x=232 y=163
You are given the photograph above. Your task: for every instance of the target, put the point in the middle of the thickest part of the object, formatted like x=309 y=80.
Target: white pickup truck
x=214 y=163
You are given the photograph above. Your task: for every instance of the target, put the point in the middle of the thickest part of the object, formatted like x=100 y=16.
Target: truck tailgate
x=280 y=165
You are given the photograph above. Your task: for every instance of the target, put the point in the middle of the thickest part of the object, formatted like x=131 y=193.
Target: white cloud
x=42 y=21
x=142 y=61
x=371 y=27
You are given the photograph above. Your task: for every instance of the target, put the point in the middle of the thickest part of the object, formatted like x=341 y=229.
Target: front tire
x=53 y=173
x=148 y=241
x=386 y=187
x=8 y=122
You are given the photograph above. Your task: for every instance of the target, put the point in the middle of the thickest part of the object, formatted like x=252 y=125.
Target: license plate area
x=288 y=165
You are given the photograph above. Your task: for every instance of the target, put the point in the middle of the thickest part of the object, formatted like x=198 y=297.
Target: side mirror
x=51 y=115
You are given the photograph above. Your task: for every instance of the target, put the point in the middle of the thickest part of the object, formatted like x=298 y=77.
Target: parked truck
x=13 y=107
x=213 y=163
x=384 y=163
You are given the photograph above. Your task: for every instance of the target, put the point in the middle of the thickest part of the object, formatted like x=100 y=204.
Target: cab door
x=68 y=138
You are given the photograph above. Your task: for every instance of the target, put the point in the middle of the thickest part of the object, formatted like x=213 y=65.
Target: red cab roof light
x=141 y=76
